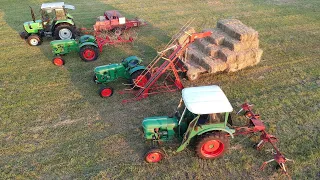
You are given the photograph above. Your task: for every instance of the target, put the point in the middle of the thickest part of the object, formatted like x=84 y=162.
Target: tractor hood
x=33 y=27
x=103 y=69
x=164 y=123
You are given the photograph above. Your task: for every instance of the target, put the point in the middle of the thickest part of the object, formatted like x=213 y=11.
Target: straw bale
x=237 y=46
x=199 y=58
x=218 y=65
x=227 y=55
x=216 y=37
x=212 y=50
x=201 y=44
x=184 y=36
x=237 y=30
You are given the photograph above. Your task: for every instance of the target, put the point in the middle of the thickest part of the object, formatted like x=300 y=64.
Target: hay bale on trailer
x=231 y=47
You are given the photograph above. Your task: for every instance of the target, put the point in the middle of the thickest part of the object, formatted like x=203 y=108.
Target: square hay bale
x=227 y=55
x=232 y=44
x=216 y=37
x=218 y=65
x=237 y=30
x=212 y=50
x=235 y=45
x=201 y=44
x=182 y=38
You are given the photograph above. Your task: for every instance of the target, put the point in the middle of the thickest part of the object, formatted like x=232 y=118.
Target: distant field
x=53 y=124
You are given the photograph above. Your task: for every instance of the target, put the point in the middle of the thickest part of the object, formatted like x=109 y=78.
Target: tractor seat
x=133 y=63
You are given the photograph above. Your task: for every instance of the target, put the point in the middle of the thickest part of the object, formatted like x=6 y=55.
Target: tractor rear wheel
x=34 y=40
x=138 y=79
x=154 y=155
x=89 y=53
x=105 y=92
x=212 y=146
x=64 y=31
x=58 y=61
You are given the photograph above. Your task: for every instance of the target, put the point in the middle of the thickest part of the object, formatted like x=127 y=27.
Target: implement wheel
x=89 y=53
x=58 y=61
x=117 y=31
x=105 y=92
x=138 y=80
x=154 y=155
x=212 y=146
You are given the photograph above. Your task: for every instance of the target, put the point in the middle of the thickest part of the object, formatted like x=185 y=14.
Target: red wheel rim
x=58 y=61
x=106 y=92
x=212 y=148
x=153 y=157
x=89 y=54
x=140 y=81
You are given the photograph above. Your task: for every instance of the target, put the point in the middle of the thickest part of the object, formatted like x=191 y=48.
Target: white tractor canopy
x=56 y=5
x=206 y=100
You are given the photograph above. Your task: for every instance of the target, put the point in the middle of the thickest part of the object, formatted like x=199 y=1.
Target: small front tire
x=105 y=92
x=34 y=40
x=58 y=61
x=154 y=155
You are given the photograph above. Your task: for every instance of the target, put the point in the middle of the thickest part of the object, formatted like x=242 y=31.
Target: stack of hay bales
x=231 y=47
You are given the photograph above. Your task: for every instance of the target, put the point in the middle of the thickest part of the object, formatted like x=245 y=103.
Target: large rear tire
x=64 y=31
x=89 y=53
x=138 y=80
x=34 y=40
x=212 y=146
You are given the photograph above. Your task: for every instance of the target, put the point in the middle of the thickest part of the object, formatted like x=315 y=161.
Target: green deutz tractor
x=130 y=68
x=55 y=22
x=86 y=46
x=203 y=114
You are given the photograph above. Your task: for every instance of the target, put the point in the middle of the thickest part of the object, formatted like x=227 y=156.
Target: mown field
x=53 y=124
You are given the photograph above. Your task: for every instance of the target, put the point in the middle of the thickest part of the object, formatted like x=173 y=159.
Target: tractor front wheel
x=58 y=61
x=89 y=53
x=106 y=92
x=34 y=40
x=139 y=78
x=212 y=146
x=154 y=155
x=64 y=31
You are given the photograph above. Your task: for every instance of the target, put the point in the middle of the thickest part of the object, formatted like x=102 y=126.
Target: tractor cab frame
x=55 y=22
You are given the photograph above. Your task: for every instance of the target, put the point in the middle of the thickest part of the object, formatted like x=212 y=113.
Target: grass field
x=53 y=125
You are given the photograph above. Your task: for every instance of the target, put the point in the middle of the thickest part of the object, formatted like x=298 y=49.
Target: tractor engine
x=160 y=128
x=60 y=47
x=108 y=73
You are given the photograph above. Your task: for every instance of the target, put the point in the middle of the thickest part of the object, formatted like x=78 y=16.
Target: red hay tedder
x=114 y=21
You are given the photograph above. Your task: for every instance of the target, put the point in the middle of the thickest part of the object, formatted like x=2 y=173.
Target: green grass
x=53 y=125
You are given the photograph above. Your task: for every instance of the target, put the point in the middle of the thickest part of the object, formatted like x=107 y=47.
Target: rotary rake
x=256 y=125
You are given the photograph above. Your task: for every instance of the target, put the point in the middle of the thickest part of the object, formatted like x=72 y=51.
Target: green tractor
x=130 y=68
x=86 y=46
x=55 y=22
x=203 y=114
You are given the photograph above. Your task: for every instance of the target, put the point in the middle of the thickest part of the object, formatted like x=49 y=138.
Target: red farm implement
x=256 y=125
x=162 y=74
